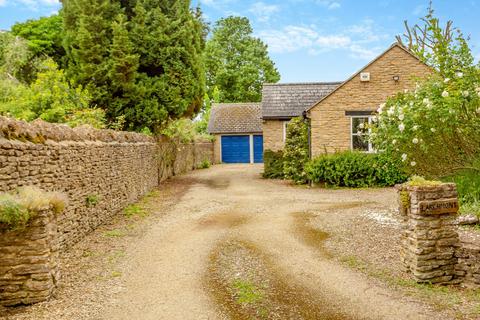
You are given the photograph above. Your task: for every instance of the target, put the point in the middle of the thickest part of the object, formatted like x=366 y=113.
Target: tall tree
x=122 y=70
x=87 y=40
x=141 y=60
x=442 y=47
x=169 y=39
x=236 y=62
x=17 y=62
x=44 y=36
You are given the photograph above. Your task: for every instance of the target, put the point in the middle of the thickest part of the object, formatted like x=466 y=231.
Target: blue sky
x=316 y=40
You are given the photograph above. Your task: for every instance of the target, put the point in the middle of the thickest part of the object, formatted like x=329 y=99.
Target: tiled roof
x=292 y=99
x=235 y=118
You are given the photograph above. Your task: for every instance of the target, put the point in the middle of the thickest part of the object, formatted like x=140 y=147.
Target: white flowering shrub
x=435 y=129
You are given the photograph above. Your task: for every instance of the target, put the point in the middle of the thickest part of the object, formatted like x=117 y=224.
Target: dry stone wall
x=112 y=168
x=430 y=235
x=101 y=172
x=29 y=268
x=431 y=247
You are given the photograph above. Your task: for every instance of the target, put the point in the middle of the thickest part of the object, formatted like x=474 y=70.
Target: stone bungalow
x=334 y=109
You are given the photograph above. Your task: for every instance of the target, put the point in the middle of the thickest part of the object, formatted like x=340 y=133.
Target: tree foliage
x=435 y=129
x=50 y=97
x=236 y=62
x=44 y=36
x=141 y=60
x=442 y=47
x=296 y=152
x=17 y=62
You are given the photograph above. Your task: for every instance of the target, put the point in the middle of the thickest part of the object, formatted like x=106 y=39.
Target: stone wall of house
x=431 y=247
x=113 y=168
x=217 y=149
x=331 y=128
x=29 y=267
x=273 y=131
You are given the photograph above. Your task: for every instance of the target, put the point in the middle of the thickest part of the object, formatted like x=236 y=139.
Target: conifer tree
x=122 y=71
x=140 y=59
x=170 y=41
x=87 y=41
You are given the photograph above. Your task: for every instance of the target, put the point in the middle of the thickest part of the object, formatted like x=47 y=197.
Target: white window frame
x=285 y=123
x=352 y=134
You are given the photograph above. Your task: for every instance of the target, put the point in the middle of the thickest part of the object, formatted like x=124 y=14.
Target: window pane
x=356 y=123
x=360 y=143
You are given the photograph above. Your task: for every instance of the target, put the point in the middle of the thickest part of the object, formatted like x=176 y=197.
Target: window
x=285 y=124
x=359 y=140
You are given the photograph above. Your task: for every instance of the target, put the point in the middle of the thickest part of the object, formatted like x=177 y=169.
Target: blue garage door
x=258 y=149
x=235 y=149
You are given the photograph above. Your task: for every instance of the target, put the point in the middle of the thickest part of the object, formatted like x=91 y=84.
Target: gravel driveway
x=235 y=246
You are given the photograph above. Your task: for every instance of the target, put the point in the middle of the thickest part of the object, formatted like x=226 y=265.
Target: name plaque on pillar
x=439 y=206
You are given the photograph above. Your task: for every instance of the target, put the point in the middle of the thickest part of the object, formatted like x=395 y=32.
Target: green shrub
x=12 y=213
x=355 y=169
x=18 y=207
x=205 y=164
x=468 y=187
x=273 y=164
x=184 y=130
x=51 y=97
x=296 y=153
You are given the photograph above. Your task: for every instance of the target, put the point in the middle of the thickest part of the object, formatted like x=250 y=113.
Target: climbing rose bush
x=435 y=129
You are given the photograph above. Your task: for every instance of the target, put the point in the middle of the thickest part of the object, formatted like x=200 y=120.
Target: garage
x=237 y=128
x=235 y=149
x=242 y=149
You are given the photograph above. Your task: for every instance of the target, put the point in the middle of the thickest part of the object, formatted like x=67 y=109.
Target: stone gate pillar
x=29 y=268
x=430 y=236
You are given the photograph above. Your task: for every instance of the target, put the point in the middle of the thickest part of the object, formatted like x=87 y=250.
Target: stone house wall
x=273 y=131
x=217 y=149
x=331 y=127
x=116 y=168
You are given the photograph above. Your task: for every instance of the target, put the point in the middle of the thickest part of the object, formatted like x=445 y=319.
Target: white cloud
x=263 y=11
x=420 y=10
x=333 y=41
x=3 y=3
x=290 y=39
x=361 y=40
x=329 y=4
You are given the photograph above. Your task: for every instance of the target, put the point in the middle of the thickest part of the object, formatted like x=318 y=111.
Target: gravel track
x=165 y=269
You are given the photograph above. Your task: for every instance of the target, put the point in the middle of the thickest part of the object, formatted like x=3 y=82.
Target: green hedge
x=295 y=154
x=273 y=164
x=355 y=169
